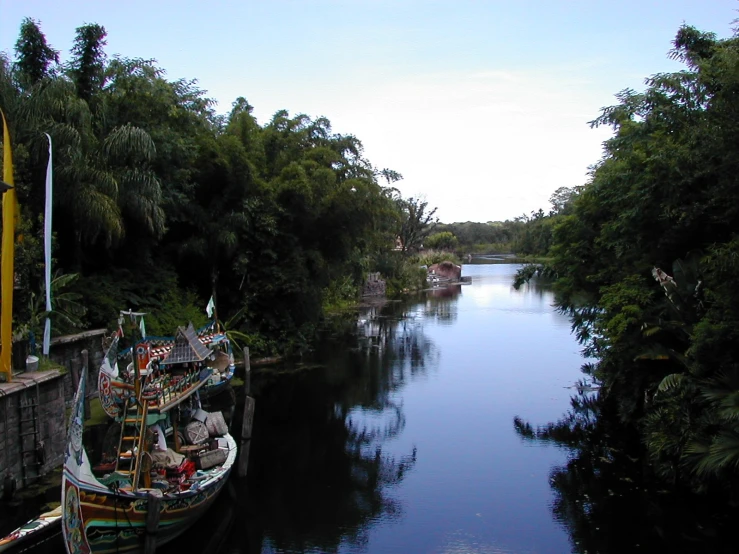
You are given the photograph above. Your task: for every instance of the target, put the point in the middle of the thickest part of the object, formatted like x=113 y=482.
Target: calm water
x=404 y=441
x=400 y=437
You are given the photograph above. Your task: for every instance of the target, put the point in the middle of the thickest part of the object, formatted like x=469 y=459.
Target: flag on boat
x=210 y=308
x=142 y=328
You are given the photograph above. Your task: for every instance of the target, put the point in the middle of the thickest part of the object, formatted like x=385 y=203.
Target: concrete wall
x=67 y=352
x=33 y=438
x=32 y=427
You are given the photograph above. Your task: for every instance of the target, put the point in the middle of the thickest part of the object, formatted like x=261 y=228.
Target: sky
x=482 y=106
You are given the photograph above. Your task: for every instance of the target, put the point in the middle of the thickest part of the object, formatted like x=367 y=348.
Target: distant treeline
x=527 y=234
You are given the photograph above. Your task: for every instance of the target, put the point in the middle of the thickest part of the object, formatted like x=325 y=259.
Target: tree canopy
x=645 y=258
x=155 y=192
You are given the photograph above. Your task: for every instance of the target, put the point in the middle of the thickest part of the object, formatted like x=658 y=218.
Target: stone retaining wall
x=374 y=285
x=32 y=427
x=33 y=406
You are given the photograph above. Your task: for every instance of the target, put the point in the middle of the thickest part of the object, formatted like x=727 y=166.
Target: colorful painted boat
x=150 y=492
x=27 y=536
x=116 y=371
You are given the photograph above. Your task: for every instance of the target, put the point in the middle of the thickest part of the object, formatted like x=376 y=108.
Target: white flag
x=210 y=308
x=47 y=253
x=142 y=328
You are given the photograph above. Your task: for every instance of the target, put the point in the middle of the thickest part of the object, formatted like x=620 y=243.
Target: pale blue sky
x=481 y=105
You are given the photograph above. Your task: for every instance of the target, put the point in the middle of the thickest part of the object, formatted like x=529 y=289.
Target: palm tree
x=104 y=182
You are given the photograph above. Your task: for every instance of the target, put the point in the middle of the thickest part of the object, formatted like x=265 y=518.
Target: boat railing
x=160 y=389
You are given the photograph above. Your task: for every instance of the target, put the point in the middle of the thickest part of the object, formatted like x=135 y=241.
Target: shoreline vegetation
x=643 y=259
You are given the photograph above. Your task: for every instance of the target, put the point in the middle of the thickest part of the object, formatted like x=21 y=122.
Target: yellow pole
x=7 y=258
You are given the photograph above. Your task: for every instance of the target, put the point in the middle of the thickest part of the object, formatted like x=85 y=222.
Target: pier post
x=247 y=372
x=152 y=523
x=85 y=370
x=75 y=371
x=247 y=419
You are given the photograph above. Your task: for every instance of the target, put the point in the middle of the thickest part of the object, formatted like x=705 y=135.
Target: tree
x=444 y=241
x=666 y=187
x=416 y=222
x=561 y=200
x=33 y=53
x=87 y=66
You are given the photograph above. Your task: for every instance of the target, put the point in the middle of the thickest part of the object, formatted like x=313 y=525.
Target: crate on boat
x=209 y=459
x=192 y=450
x=216 y=424
x=196 y=432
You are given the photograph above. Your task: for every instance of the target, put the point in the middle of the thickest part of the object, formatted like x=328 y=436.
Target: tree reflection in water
x=318 y=476
x=606 y=497
x=441 y=304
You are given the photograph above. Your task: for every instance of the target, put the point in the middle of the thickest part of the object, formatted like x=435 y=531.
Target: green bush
x=431 y=257
x=339 y=294
x=444 y=240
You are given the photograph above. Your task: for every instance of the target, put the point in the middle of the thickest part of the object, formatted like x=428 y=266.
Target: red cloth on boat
x=186 y=468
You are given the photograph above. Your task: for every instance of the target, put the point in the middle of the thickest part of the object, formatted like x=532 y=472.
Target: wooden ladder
x=133 y=437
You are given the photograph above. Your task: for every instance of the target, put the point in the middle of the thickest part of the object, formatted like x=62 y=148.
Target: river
x=447 y=423
x=404 y=440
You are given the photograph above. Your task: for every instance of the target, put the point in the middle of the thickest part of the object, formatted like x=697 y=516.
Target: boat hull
x=108 y=522
x=25 y=538
x=104 y=518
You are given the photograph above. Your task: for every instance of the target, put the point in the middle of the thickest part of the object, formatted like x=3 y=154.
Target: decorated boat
x=44 y=527
x=117 y=372
x=168 y=463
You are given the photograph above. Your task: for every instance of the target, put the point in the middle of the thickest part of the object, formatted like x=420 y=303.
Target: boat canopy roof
x=187 y=347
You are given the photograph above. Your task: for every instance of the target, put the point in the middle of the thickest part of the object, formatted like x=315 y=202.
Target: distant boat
x=171 y=460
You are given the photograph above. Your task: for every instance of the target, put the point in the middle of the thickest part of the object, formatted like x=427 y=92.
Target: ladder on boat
x=133 y=439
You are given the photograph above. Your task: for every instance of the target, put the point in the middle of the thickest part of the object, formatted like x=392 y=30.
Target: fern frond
x=672 y=381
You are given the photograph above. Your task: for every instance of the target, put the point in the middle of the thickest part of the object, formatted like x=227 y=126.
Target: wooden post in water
x=175 y=426
x=246 y=436
x=85 y=370
x=75 y=371
x=247 y=372
x=153 y=505
x=247 y=419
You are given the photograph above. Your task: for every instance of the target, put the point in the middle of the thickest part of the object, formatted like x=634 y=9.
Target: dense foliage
x=645 y=258
x=160 y=202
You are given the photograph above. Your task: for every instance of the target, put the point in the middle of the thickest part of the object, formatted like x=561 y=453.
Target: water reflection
x=449 y=291
x=392 y=340
x=606 y=497
x=441 y=304
x=398 y=437
x=318 y=477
